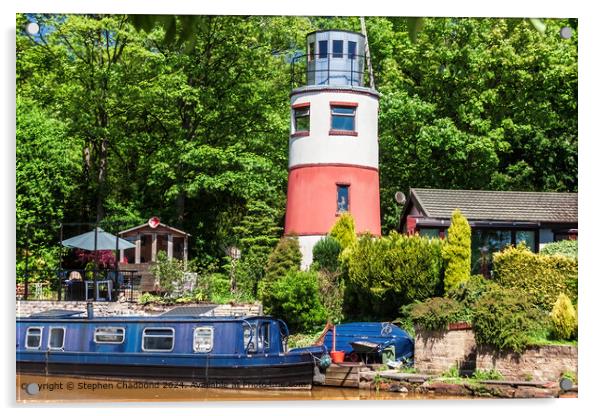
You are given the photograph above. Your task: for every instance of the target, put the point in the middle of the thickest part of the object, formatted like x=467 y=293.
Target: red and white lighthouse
x=333 y=146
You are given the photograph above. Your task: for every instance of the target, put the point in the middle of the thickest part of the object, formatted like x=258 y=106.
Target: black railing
x=327 y=69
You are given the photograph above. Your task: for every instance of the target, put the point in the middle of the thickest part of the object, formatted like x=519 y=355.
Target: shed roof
x=550 y=207
x=145 y=225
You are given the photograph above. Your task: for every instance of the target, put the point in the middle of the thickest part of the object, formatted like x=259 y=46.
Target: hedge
x=543 y=278
x=564 y=248
x=388 y=272
x=436 y=313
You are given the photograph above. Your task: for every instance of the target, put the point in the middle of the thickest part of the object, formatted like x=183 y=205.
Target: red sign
x=154 y=222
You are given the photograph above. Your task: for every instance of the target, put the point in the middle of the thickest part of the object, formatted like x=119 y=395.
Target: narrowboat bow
x=233 y=351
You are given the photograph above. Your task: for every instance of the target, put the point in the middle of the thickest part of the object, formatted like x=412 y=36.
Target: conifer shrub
x=295 y=299
x=542 y=277
x=326 y=254
x=563 y=319
x=385 y=273
x=565 y=248
x=507 y=320
x=285 y=257
x=456 y=251
x=344 y=230
x=436 y=313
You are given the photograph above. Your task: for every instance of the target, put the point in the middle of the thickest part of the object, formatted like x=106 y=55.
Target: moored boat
x=233 y=351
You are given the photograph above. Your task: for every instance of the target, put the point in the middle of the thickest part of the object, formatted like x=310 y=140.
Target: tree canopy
x=117 y=123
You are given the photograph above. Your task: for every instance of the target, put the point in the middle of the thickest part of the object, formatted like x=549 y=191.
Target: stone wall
x=545 y=363
x=26 y=308
x=435 y=352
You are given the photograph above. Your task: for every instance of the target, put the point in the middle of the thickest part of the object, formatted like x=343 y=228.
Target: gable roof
x=551 y=207
x=145 y=225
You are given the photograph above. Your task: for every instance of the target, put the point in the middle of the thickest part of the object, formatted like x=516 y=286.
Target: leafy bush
x=564 y=318
x=286 y=256
x=491 y=374
x=470 y=291
x=565 y=247
x=344 y=230
x=456 y=251
x=385 y=273
x=170 y=273
x=295 y=299
x=326 y=254
x=331 y=291
x=147 y=298
x=542 y=277
x=436 y=313
x=506 y=319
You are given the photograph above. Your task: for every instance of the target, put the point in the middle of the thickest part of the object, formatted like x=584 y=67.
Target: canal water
x=58 y=389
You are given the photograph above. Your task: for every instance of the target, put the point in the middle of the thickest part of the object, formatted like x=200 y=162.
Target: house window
x=157 y=339
x=337 y=48
x=429 y=232
x=342 y=198
x=202 y=340
x=342 y=117
x=301 y=119
x=312 y=51
x=109 y=335
x=351 y=49
x=56 y=340
x=527 y=237
x=33 y=339
x=323 y=44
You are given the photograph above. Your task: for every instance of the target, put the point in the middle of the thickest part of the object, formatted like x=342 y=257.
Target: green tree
x=343 y=231
x=564 y=318
x=456 y=252
x=285 y=257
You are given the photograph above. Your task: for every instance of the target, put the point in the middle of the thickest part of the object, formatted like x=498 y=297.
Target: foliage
x=452 y=372
x=565 y=248
x=491 y=374
x=326 y=254
x=469 y=292
x=102 y=258
x=299 y=340
x=343 y=231
x=385 y=273
x=331 y=291
x=295 y=299
x=456 y=252
x=169 y=272
x=506 y=319
x=542 y=277
x=147 y=298
x=563 y=319
x=436 y=313
x=285 y=257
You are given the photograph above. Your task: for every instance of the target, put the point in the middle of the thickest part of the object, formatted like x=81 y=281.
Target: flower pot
x=337 y=356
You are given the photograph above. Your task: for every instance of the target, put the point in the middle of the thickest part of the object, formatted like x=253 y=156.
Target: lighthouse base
x=307 y=243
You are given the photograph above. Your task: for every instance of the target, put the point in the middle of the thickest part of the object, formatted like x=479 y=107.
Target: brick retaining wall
x=435 y=352
x=26 y=308
x=545 y=363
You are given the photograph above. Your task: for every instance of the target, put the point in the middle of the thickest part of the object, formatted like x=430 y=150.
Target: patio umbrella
x=104 y=241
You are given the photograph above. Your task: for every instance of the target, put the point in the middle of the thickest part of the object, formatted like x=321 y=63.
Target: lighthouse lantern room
x=333 y=145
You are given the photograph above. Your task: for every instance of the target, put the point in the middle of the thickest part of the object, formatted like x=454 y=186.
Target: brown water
x=70 y=389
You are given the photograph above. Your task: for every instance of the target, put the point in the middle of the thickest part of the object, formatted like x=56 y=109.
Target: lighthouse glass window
x=342 y=118
x=342 y=198
x=301 y=119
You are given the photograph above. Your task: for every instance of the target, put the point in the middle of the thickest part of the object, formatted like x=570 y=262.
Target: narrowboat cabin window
x=248 y=337
x=337 y=48
x=33 y=339
x=342 y=118
x=265 y=335
x=323 y=52
x=351 y=49
x=157 y=339
x=301 y=119
x=109 y=335
x=203 y=339
x=56 y=340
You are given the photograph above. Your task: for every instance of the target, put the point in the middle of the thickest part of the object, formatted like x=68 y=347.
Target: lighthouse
x=333 y=144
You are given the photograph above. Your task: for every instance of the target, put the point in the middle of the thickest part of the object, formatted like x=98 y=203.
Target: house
x=497 y=218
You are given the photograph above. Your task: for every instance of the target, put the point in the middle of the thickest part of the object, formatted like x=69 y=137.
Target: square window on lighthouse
x=342 y=118
x=342 y=198
x=301 y=119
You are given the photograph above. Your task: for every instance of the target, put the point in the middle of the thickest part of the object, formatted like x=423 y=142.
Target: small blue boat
x=370 y=342
x=233 y=351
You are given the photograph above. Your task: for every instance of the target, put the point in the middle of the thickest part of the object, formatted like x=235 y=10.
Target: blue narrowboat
x=239 y=351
